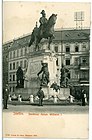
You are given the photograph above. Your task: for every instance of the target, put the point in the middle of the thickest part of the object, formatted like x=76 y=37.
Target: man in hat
x=40 y=94
x=5 y=96
x=82 y=97
x=43 y=21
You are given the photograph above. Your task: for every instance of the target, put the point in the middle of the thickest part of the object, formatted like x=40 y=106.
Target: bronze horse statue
x=47 y=32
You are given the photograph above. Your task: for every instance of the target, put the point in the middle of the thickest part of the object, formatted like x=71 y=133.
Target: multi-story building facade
x=72 y=49
x=17 y=57
x=5 y=52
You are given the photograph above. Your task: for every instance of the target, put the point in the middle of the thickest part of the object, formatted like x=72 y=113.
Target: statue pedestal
x=32 y=81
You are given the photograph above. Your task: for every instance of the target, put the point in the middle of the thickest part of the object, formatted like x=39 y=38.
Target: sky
x=19 y=18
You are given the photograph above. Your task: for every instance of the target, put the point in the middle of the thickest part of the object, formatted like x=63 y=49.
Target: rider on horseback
x=43 y=21
x=45 y=30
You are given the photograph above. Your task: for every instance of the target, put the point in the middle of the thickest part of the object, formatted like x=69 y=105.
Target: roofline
x=10 y=41
x=56 y=30
x=73 y=28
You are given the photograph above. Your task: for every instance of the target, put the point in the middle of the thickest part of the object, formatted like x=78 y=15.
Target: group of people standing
x=40 y=95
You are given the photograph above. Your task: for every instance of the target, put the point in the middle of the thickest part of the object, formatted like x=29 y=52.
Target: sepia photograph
x=45 y=69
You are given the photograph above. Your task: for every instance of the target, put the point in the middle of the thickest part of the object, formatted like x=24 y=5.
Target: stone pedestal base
x=34 y=66
x=64 y=93
x=50 y=94
x=32 y=81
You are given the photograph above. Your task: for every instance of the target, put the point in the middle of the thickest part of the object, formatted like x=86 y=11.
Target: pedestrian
x=40 y=94
x=5 y=97
x=82 y=97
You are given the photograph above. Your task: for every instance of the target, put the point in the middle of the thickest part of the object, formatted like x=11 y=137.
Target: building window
x=76 y=61
x=68 y=62
x=56 y=48
x=84 y=61
x=10 y=78
x=25 y=50
x=13 y=65
x=76 y=74
x=21 y=54
x=76 y=48
x=18 y=53
x=84 y=47
x=13 y=77
x=17 y=65
x=14 y=54
x=25 y=64
x=84 y=75
x=21 y=63
x=10 y=66
x=67 y=49
x=10 y=55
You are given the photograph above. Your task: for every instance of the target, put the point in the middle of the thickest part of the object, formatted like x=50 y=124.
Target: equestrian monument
x=42 y=69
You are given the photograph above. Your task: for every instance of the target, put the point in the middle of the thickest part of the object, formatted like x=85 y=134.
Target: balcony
x=84 y=66
x=84 y=80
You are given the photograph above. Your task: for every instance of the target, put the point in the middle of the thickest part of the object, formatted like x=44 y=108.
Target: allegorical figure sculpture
x=20 y=79
x=45 y=74
x=64 y=76
x=55 y=86
x=45 y=30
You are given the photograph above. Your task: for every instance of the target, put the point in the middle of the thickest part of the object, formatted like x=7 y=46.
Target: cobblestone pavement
x=63 y=109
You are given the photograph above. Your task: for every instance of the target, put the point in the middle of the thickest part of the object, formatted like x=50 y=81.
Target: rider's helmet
x=43 y=12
